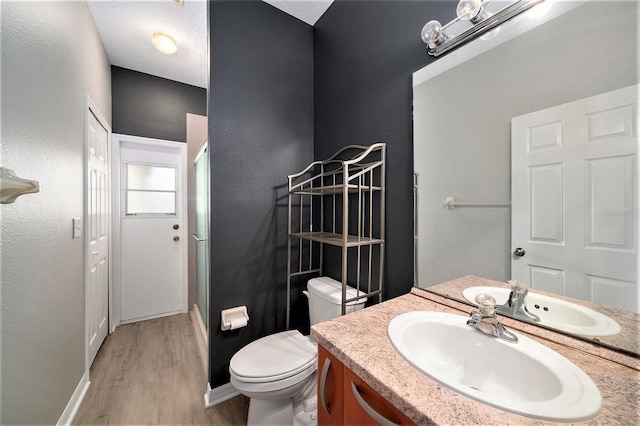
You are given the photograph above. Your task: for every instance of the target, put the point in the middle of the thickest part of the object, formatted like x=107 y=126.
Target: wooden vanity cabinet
x=346 y=405
x=330 y=378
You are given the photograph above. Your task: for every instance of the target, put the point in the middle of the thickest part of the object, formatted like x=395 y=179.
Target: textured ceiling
x=126 y=28
x=308 y=11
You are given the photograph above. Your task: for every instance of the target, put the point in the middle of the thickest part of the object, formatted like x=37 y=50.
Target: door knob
x=519 y=252
x=176 y=238
x=176 y=226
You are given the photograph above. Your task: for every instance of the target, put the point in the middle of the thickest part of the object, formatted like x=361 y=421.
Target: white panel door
x=575 y=199
x=98 y=235
x=152 y=230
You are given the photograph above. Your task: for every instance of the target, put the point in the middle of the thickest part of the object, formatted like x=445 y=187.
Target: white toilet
x=278 y=372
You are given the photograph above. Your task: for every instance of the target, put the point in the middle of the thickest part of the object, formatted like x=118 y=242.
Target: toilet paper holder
x=234 y=318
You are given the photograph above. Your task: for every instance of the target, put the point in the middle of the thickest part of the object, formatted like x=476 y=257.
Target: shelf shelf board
x=305 y=272
x=334 y=189
x=337 y=239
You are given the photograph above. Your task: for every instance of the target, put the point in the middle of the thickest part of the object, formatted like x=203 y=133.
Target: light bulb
x=164 y=43
x=432 y=33
x=470 y=10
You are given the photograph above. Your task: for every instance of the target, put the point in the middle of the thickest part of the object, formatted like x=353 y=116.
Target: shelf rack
x=339 y=202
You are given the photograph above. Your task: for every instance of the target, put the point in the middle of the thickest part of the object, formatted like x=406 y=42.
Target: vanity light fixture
x=474 y=18
x=164 y=43
x=471 y=10
x=432 y=33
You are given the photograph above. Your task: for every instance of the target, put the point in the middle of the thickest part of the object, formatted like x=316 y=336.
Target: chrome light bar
x=482 y=27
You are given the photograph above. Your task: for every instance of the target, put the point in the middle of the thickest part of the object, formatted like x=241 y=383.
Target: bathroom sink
x=525 y=378
x=555 y=313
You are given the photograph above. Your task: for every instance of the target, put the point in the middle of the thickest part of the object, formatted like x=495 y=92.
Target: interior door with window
x=575 y=199
x=152 y=230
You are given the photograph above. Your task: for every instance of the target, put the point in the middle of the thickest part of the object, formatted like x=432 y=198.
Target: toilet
x=278 y=372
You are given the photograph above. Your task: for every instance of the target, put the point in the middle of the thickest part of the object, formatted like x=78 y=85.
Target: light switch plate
x=77 y=227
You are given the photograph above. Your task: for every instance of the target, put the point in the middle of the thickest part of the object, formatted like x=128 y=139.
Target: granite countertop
x=359 y=340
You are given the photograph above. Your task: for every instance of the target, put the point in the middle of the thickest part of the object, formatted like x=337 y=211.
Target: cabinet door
x=364 y=406
x=330 y=396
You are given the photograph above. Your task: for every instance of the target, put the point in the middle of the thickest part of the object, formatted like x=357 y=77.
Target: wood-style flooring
x=151 y=372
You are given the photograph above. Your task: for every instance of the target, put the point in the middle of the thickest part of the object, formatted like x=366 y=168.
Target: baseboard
x=74 y=403
x=166 y=314
x=219 y=394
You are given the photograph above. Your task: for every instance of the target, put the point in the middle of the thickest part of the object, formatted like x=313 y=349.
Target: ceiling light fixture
x=474 y=18
x=164 y=43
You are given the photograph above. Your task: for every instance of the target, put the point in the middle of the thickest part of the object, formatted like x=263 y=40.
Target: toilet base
x=301 y=410
x=305 y=413
x=264 y=412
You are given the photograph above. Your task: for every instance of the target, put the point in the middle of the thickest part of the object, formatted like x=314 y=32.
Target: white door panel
x=152 y=245
x=547 y=203
x=98 y=239
x=610 y=184
x=575 y=199
x=151 y=268
x=547 y=279
x=613 y=292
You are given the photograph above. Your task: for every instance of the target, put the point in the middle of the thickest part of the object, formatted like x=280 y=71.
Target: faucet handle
x=518 y=286
x=486 y=304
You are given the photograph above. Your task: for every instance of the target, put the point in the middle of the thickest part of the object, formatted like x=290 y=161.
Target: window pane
x=154 y=178
x=143 y=202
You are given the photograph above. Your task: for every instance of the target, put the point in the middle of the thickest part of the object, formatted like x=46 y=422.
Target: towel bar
x=450 y=204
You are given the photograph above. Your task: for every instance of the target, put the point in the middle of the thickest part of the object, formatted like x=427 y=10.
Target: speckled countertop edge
x=360 y=342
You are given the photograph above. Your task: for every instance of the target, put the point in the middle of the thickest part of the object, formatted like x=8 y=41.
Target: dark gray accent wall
x=364 y=55
x=153 y=107
x=260 y=130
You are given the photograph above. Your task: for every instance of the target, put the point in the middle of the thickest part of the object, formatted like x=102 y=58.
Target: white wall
x=51 y=56
x=462 y=133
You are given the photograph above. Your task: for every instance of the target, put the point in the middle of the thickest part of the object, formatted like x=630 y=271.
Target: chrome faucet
x=486 y=320
x=516 y=305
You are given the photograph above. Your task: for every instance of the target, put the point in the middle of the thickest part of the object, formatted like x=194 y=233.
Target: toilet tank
x=325 y=299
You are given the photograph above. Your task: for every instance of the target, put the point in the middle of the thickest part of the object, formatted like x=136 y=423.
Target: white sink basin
x=555 y=313
x=525 y=378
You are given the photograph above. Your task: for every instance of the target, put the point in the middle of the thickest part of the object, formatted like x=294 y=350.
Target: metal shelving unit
x=339 y=202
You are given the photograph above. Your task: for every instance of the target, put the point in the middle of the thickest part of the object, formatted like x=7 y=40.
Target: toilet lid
x=274 y=357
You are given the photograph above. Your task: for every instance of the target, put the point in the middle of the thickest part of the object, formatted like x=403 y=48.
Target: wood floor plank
x=149 y=373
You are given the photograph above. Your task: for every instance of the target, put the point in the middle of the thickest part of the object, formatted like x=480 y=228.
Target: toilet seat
x=273 y=389
x=275 y=357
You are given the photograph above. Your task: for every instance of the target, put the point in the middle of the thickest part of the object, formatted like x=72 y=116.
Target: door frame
x=91 y=108
x=117 y=140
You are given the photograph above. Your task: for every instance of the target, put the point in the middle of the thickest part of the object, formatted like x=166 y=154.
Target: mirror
x=463 y=105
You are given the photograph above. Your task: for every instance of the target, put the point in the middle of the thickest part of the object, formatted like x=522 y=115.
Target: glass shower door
x=202 y=234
